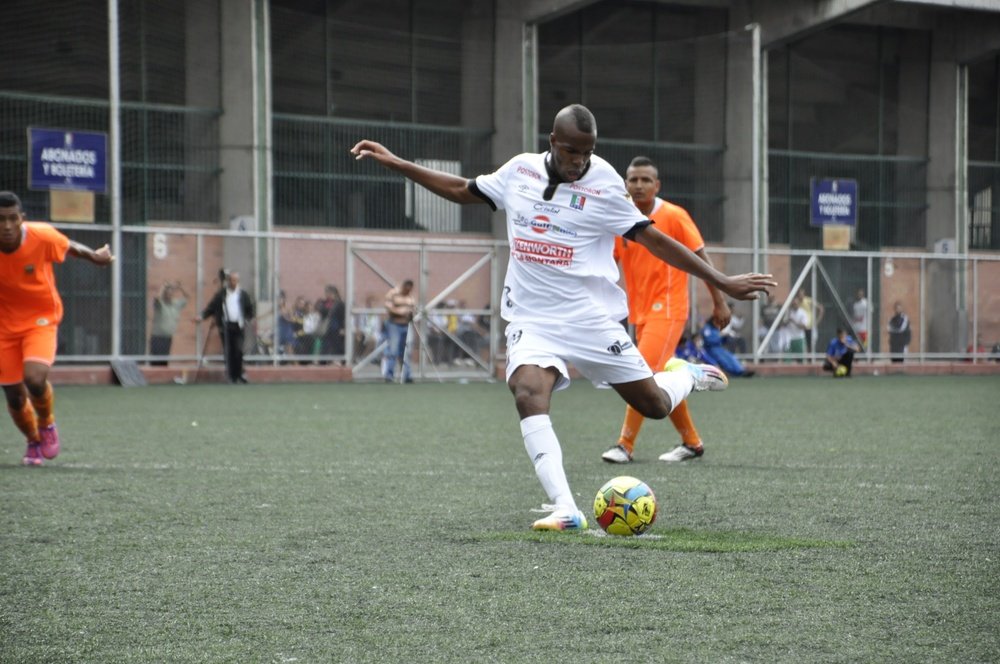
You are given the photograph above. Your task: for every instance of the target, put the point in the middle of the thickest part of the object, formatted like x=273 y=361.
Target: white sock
x=543 y=448
x=677 y=385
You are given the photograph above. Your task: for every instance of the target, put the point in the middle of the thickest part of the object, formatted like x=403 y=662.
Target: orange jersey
x=657 y=290
x=28 y=295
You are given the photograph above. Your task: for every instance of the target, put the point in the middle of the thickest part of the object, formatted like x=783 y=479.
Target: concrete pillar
x=944 y=207
x=237 y=194
x=738 y=161
x=508 y=114
x=243 y=139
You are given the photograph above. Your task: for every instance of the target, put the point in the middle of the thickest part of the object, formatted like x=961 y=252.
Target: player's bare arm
x=668 y=250
x=721 y=314
x=446 y=185
x=102 y=256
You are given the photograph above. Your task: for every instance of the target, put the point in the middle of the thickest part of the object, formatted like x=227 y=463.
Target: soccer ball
x=841 y=371
x=625 y=506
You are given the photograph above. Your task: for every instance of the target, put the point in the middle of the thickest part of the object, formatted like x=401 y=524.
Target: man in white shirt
x=232 y=309
x=560 y=296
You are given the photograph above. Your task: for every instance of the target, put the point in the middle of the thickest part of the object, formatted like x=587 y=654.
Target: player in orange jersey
x=658 y=304
x=30 y=311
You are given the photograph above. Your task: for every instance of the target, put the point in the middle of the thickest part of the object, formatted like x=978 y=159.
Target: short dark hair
x=581 y=117
x=9 y=199
x=641 y=161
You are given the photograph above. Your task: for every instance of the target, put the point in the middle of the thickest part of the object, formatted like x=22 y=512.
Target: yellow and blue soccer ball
x=625 y=506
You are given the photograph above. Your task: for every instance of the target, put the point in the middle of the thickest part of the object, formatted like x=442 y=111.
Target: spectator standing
x=899 y=333
x=367 y=329
x=232 y=309
x=732 y=334
x=400 y=306
x=470 y=334
x=167 y=307
x=859 y=316
x=768 y=314
x=30 y=313
x=814 y=314
x=795 y=328
x=332 y=310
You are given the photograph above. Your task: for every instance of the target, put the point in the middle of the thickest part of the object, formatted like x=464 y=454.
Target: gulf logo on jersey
x=540 y=224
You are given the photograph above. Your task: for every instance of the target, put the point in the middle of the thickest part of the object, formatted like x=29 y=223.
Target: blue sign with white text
x=64 y=159
x=833 y=201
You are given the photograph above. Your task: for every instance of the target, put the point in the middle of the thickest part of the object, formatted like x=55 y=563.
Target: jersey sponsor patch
x=546 y=253
x=577 y=202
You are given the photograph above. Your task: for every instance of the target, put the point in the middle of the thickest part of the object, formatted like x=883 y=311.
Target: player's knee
x=529 y=401
x=35 y=382
x=654 y=405
x=657 y=409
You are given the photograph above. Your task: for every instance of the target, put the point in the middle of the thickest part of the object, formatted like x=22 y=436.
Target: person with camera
x=167 y=308
x=232 y=309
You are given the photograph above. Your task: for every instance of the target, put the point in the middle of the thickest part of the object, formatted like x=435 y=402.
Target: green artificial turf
x=829 y=521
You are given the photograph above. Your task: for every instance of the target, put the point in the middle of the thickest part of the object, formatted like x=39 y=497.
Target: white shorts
x=602 y=352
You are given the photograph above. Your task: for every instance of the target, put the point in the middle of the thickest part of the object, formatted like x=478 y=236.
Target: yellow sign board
x=67 y=205
x=836 y=237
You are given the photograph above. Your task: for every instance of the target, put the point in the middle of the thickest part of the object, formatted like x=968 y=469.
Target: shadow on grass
x=672 y=539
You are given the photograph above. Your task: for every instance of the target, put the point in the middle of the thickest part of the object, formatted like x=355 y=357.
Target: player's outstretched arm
x=102 y=256
x=721 y=314
x=668 y=250
x=446 y=185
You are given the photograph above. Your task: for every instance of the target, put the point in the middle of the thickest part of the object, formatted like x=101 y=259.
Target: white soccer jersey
x=561 y=264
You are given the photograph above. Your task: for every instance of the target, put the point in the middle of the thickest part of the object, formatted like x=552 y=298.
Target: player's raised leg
x=657 y=341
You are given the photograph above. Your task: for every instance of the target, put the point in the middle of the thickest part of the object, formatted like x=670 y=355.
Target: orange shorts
x=658 y=339
x=37 y=345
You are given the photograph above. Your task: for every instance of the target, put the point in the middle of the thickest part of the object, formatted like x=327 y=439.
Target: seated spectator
x=718 y=354
x=840 y=354
x=691 y=349
x=286 y=326
x=307 y=342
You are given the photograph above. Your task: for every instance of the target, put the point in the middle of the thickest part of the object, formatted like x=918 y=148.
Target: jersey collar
x=555 y=179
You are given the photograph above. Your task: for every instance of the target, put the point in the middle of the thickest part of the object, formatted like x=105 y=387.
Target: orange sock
x=681 y=418
x=630 y=428
x=25 y=420
x=44 y=406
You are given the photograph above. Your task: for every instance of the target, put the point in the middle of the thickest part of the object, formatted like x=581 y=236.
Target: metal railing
x=949 y=297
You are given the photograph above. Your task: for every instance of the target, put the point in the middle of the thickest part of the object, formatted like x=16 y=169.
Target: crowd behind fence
x=953 y=308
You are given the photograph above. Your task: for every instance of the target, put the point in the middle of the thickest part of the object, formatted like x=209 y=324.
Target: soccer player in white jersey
x=560 y=297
